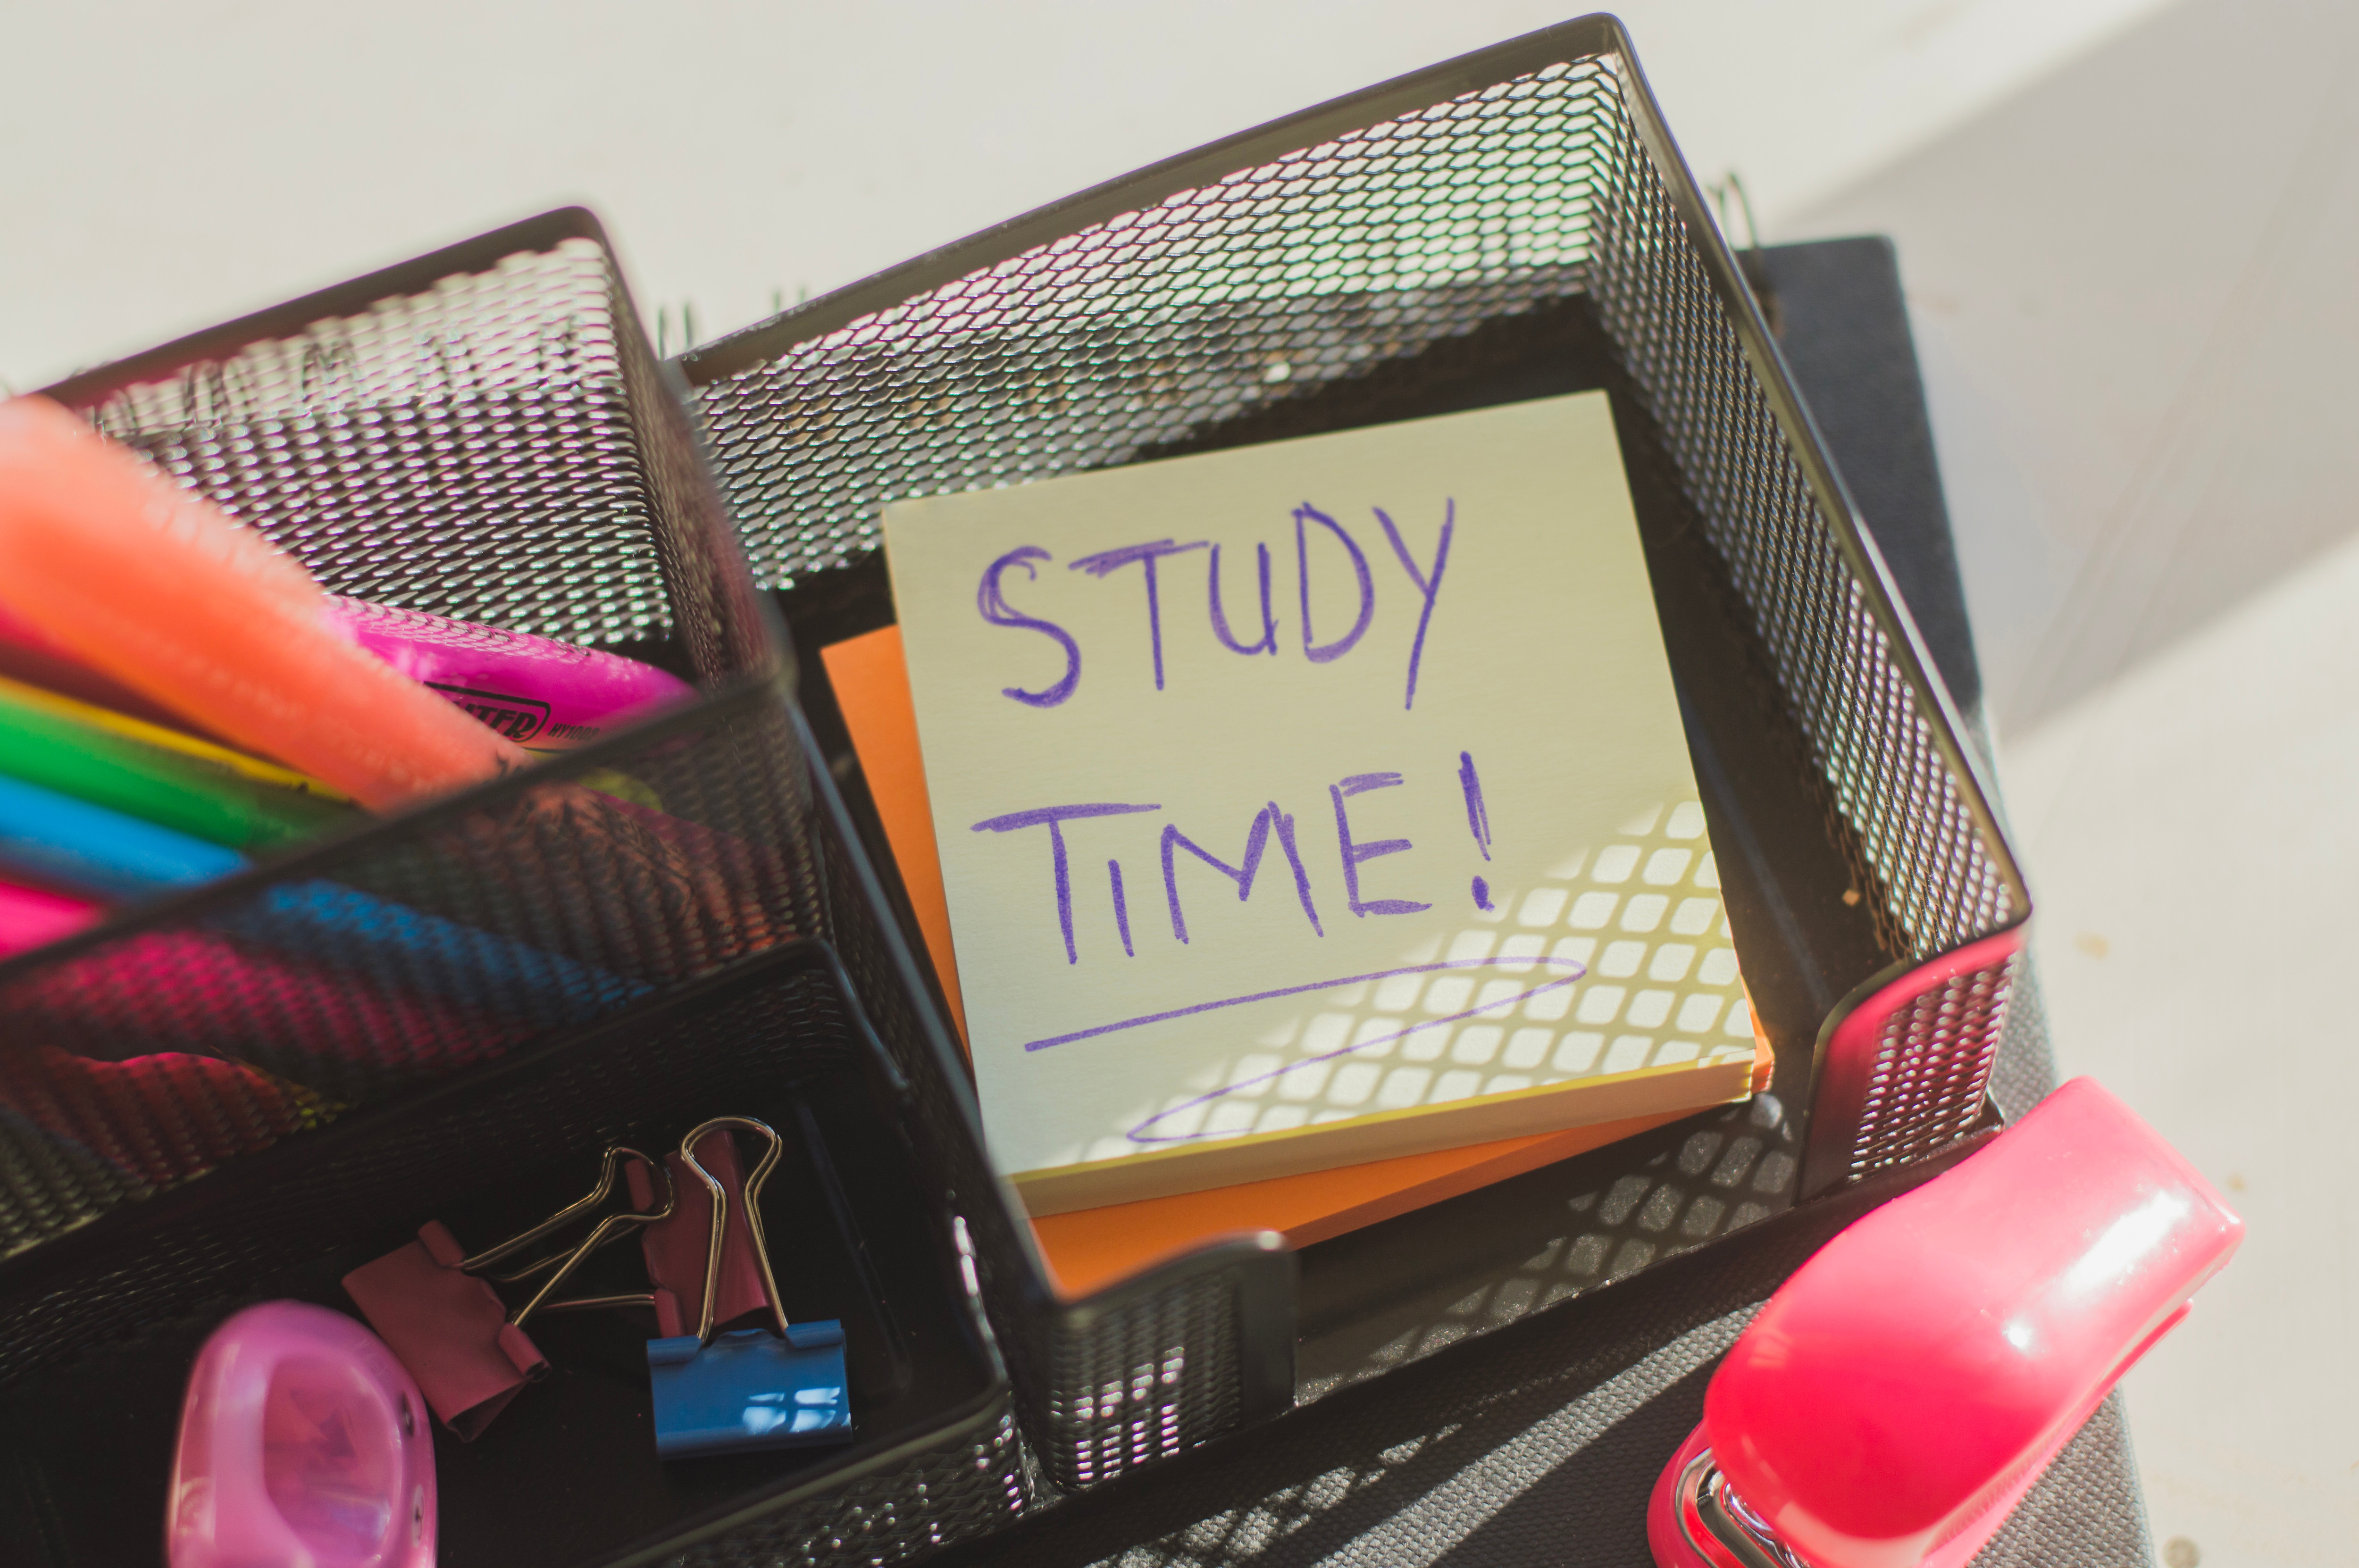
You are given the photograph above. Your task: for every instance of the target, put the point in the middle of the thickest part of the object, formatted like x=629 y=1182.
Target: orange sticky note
x=1088 y=1247
x=872 y=687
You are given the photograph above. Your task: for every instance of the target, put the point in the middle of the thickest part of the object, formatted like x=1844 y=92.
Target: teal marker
x=53 y=839
x=87 y=849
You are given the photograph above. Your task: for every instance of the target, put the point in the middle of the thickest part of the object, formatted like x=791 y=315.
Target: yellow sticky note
x=1313 y=803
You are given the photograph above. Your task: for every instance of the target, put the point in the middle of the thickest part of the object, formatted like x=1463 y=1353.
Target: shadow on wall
x=2132 y=294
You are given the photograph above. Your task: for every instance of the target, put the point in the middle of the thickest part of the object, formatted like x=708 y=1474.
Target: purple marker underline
x=1579 y=970
x=1140 y=1134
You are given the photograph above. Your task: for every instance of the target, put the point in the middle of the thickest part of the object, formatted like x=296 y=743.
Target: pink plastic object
x=539 y=693
x=31 y=917
x=449 y=1328
x=302 y=1441
x=136 y=1113
x=1899 y=1394
x=251 y=1003
x=678 y=1249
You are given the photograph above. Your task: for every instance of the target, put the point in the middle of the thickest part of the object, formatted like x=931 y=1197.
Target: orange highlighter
x=162 y=590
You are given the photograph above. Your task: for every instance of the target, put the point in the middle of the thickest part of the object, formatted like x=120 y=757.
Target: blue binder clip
x=750 y=1388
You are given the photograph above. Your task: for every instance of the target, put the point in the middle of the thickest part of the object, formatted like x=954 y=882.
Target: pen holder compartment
x=482 y=433
x=97 y=1330
x=1515 y=222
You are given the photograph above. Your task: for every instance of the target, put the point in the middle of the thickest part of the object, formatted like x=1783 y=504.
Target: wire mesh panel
x=1138 y=1372
x=482 y=433
x=382 y=446
x=966 y=1483
x=492 y=443
x=1256 y=273
x=1086 y=350
x=1942 y=880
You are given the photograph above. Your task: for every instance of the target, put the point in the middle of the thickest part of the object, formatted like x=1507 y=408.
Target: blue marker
x=90 y=849
x=330 y=923
x=56 y=838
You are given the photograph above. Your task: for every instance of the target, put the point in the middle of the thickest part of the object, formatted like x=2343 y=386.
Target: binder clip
x=676 y=1248
x=1898 y=1396
x=749 y=1388
x=432 y=1303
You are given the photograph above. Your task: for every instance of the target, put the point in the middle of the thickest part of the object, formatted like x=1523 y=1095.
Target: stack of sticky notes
x=177 y=696
x=1303 y=832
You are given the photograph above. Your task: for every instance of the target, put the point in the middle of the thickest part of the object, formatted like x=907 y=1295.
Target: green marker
x=43 y=742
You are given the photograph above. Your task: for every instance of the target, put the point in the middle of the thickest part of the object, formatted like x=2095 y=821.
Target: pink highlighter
x=1897 y=1397
x=33 y=917
x=544 y=694
x=301 y=1441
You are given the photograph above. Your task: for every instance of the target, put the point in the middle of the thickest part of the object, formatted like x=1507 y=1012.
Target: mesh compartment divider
x=483 y=433
x=1139 y=1371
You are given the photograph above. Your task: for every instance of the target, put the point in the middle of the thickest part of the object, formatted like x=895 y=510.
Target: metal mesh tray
x=1492 y=220
x=101 y=1326
x=484 y=433
x=195 y=1094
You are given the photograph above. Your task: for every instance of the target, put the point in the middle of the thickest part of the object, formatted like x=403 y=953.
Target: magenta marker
x=539 y=693
x=31 y=917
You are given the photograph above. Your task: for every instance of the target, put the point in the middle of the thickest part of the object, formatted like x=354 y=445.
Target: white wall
x=169 y=166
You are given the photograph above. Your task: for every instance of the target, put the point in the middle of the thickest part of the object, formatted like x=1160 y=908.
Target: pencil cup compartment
x=99 y=1328
x=1505 y=226
x=482 y=433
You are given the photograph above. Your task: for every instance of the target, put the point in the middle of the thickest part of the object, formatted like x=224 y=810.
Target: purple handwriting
x=1144 y=1133
x=1429 y=587
x=1356 y=854
x=1144 y=555
x=1121 y=910
x=1256 y=841
x=1349 y=640
x=1054 y=818
x=994 y=605
x=1271 y=822
x=1478 y=822
x=1316 y=536
x=1268 y=644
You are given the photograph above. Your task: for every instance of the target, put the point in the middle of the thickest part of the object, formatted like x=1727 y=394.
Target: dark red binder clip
x=433 y=1304
x=679 y=1248
x=1895 y=1399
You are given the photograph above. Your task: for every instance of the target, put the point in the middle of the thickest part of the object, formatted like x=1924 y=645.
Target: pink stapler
x=301 y=1441
x=1895 y=1399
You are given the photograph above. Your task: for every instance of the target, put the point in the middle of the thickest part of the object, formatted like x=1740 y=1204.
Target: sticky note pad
x=1312 y=804
x=1085 y=1249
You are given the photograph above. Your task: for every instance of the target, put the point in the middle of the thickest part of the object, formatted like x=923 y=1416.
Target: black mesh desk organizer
x=1509 y=225
x=1539 y=1442
x=485 y=433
